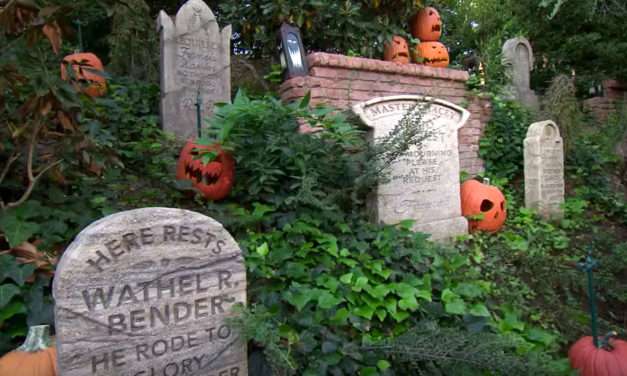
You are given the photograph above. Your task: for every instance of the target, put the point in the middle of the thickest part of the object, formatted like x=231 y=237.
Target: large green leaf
x=16 y=229
x=7 y=292
x=10 y=268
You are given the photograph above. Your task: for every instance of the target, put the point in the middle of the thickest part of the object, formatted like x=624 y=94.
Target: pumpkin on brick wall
x=483 y=205
x=396 y=50
x=426 y=25
x=214 y=179
x=433 y=54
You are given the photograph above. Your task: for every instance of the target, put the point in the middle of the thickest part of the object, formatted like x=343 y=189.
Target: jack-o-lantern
x=609 y=359
x=426 y=25
x=433 y=54
x=214 y=179
x=396 y=50
x=85 y=64
x=483 y=205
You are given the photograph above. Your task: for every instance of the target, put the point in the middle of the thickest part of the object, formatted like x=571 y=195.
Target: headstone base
x=445 y=229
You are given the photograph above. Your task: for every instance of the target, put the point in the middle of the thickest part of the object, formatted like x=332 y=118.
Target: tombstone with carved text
x=424 y=183
x=544 y=169
x=147 y=292
x=195 y=62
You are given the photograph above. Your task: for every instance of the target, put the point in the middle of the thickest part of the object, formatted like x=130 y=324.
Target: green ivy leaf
x=7 y=292
x=364 y=311
x=480 y=310
x=10 y=268
x=12 y=309
x=327 y=300
x=409 y=303
x=455 y=307
x=346 y=278
x=360 y=283
x=383 y=364
x=340 y=316
x=263 y=249
x=16 y=230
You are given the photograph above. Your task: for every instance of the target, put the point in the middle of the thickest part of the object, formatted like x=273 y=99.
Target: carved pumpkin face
x=84 y=65
x=592 y=361
x=433 y=54
x=214 y=179
x=396 y=50
x=484 y=205
x=426 y=25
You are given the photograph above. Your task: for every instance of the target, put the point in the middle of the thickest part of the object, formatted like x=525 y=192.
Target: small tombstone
x=424 y=183
x=146 y=292
x=195 y=59
x=517 y=57
x=544 y=169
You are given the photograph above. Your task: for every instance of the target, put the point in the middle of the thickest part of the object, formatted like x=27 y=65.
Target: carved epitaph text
x=424 y=183
x=146 y=293
x=195 y=59
x=544 y=169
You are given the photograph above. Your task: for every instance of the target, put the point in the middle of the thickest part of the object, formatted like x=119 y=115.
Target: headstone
x=424 y=183
x=544 y=169
x=195 y=59
x=517 y=57
x=147 y=292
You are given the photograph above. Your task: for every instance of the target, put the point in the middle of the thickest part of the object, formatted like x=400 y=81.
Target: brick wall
x=614 y=92
x=341 y=81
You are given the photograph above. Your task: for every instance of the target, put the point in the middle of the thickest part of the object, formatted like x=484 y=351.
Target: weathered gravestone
x=544 y=169
x=146 y=293
x=517 y=57
x=424 y=183
x=195 y=59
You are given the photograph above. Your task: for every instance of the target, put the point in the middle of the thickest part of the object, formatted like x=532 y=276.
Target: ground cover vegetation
x=332 y=292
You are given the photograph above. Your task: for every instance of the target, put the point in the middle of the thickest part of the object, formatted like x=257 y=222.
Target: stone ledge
x=323 y=59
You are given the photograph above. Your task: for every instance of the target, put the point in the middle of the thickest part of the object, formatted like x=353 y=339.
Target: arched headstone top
x=373 y=110
x=511 y=51
x=544 y=129
x=195 y=15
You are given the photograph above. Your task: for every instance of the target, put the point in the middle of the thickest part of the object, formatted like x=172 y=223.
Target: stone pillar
x=195 y=59
x=544 y=169
x=424 y=183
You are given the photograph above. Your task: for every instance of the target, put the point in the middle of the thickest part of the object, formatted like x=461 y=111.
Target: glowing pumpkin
x=214 y=179
x=607 y=360
x=85 y=64
x=396 y=50
x=433 y=54
x=426 y=25
x=34 y=358
x=484 y=205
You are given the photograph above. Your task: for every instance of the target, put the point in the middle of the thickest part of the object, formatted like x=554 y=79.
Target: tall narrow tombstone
x=424 y=183
x=195 y=59
x=517 y=57
x=146 y=292
x=544 y=169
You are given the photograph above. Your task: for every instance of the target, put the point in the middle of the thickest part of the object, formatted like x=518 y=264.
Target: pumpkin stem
x=605 y=342
x=587 y=265
x=486 y=181
x=198 y=121
x=80 y=35
x=38 y=339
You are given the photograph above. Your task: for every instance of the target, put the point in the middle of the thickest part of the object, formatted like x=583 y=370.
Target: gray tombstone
x=544 y=169
x=146 y=292
x=517 y=57
x=424 y=183
x=195 y=59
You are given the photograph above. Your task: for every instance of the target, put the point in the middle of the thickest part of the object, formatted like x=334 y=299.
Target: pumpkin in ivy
x=426 y=25
x=609 y=359
x=34 y=358
x=433 y=54
x=483 y=205
x=214 y=179
x=88 y=73
x=396 y=50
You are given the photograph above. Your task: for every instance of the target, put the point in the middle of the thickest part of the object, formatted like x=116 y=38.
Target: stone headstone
x=544 y=169
x=146 y=293
x=517 y=57
x=424 y=183
x=195 y=59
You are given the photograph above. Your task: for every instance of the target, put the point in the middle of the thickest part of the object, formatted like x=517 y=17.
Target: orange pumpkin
x=34 y=358
x=484 y=205
x=84 y=65
x=396 y=50
x=426 y=25
x=608 y=360
x=433 y=54
x=214 y=179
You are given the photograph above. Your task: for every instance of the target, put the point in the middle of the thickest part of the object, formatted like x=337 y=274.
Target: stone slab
x=544 y=169
x=147 y=292
x=424 y=183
